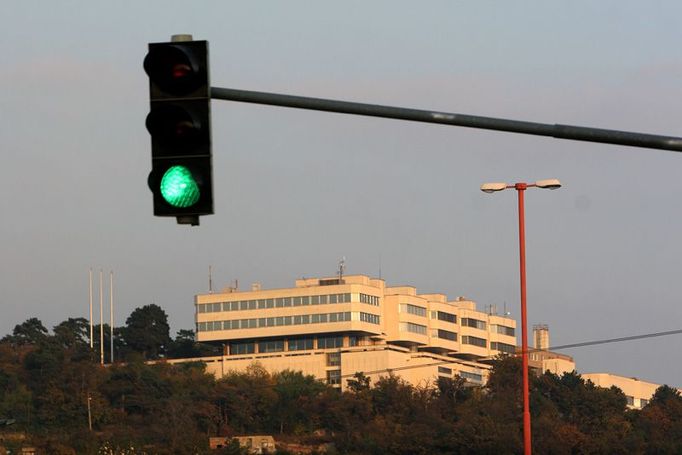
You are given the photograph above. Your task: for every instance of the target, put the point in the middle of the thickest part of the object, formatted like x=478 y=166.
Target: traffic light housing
x=179 y=123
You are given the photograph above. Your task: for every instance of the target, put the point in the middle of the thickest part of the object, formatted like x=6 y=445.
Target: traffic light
x=179 y=123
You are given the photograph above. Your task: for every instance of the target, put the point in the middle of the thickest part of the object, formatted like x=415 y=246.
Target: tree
x=659 y=424
x=147 y=332
x=15 y=398
x=666 y=395
x=73 y=336
x=184 y=346
x=295 y=395
x=245 y=401
x=31 y=331
x=359 y=382
x=450 y=392
x=392 y=395
x=592 y=418
x=73 y=332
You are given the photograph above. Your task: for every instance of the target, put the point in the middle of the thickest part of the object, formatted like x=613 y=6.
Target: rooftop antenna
x=506 y=313
x=210 y=280
x=342 y=267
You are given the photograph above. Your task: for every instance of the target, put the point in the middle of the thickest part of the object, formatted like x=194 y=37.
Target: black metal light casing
x=179 y=123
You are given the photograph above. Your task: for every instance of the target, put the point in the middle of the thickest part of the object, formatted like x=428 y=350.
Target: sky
x=295 y=191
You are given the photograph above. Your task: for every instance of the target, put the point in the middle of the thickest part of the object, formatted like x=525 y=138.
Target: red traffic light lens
x=181 y=70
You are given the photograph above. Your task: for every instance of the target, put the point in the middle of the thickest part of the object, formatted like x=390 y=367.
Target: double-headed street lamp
x=551 y=184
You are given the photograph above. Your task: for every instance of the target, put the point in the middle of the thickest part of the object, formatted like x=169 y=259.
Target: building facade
x=334 y=327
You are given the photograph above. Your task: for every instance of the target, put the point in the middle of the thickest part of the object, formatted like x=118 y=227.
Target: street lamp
x=551 y=184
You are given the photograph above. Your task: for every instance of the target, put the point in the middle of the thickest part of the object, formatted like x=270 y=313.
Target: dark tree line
x=146 y=334
x=47 y=381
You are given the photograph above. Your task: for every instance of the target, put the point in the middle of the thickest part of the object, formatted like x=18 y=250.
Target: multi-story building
x=334 y=327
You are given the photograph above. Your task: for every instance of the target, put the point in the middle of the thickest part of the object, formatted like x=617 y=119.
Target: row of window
x=254 y=323
x=445 y=370
x=421 y=311
x=446 y=335
x=503 y=347
x=330 y=342
x=452 y=336
x=284 y=302
x=300 y=344
x=271 y=346
x=280 y=302
x=412 y=309
x=442 y=316
x=466 y=322
x=502 y=329
x=334 y=342
x=448 y=317
x=471 y=376
x=474 y=341
x=370 y=299
x=481 y=342
x=496 y=328
x=463 y=374
x=414 y=328
x=334 y=377
x=630 y=401
x=334 y=359
x=371 y=318
x=475 y=323
x=292 y=344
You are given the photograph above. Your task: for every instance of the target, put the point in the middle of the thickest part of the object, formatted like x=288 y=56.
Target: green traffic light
x=179 y=188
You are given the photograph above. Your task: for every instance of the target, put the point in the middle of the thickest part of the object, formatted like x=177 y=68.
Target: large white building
x=334 y=327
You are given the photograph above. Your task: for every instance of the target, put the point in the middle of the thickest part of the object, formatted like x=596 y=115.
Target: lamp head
x=551 y=184
x=492 y=187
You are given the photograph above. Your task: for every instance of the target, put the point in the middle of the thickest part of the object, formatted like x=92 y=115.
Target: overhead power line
x=611 y=340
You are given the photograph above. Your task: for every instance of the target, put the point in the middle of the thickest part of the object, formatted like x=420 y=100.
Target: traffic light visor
x=174 y=68
x=179 y=122
x=173 y=125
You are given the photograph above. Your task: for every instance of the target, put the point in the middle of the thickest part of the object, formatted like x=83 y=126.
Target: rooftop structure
x=542 y=359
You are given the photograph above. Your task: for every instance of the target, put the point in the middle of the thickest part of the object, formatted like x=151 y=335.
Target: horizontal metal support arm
x=576 y=133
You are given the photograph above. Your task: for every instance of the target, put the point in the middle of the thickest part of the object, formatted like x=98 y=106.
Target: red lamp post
x=520 y=188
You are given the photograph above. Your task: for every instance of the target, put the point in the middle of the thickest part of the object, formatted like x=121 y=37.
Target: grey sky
x=295 y=190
